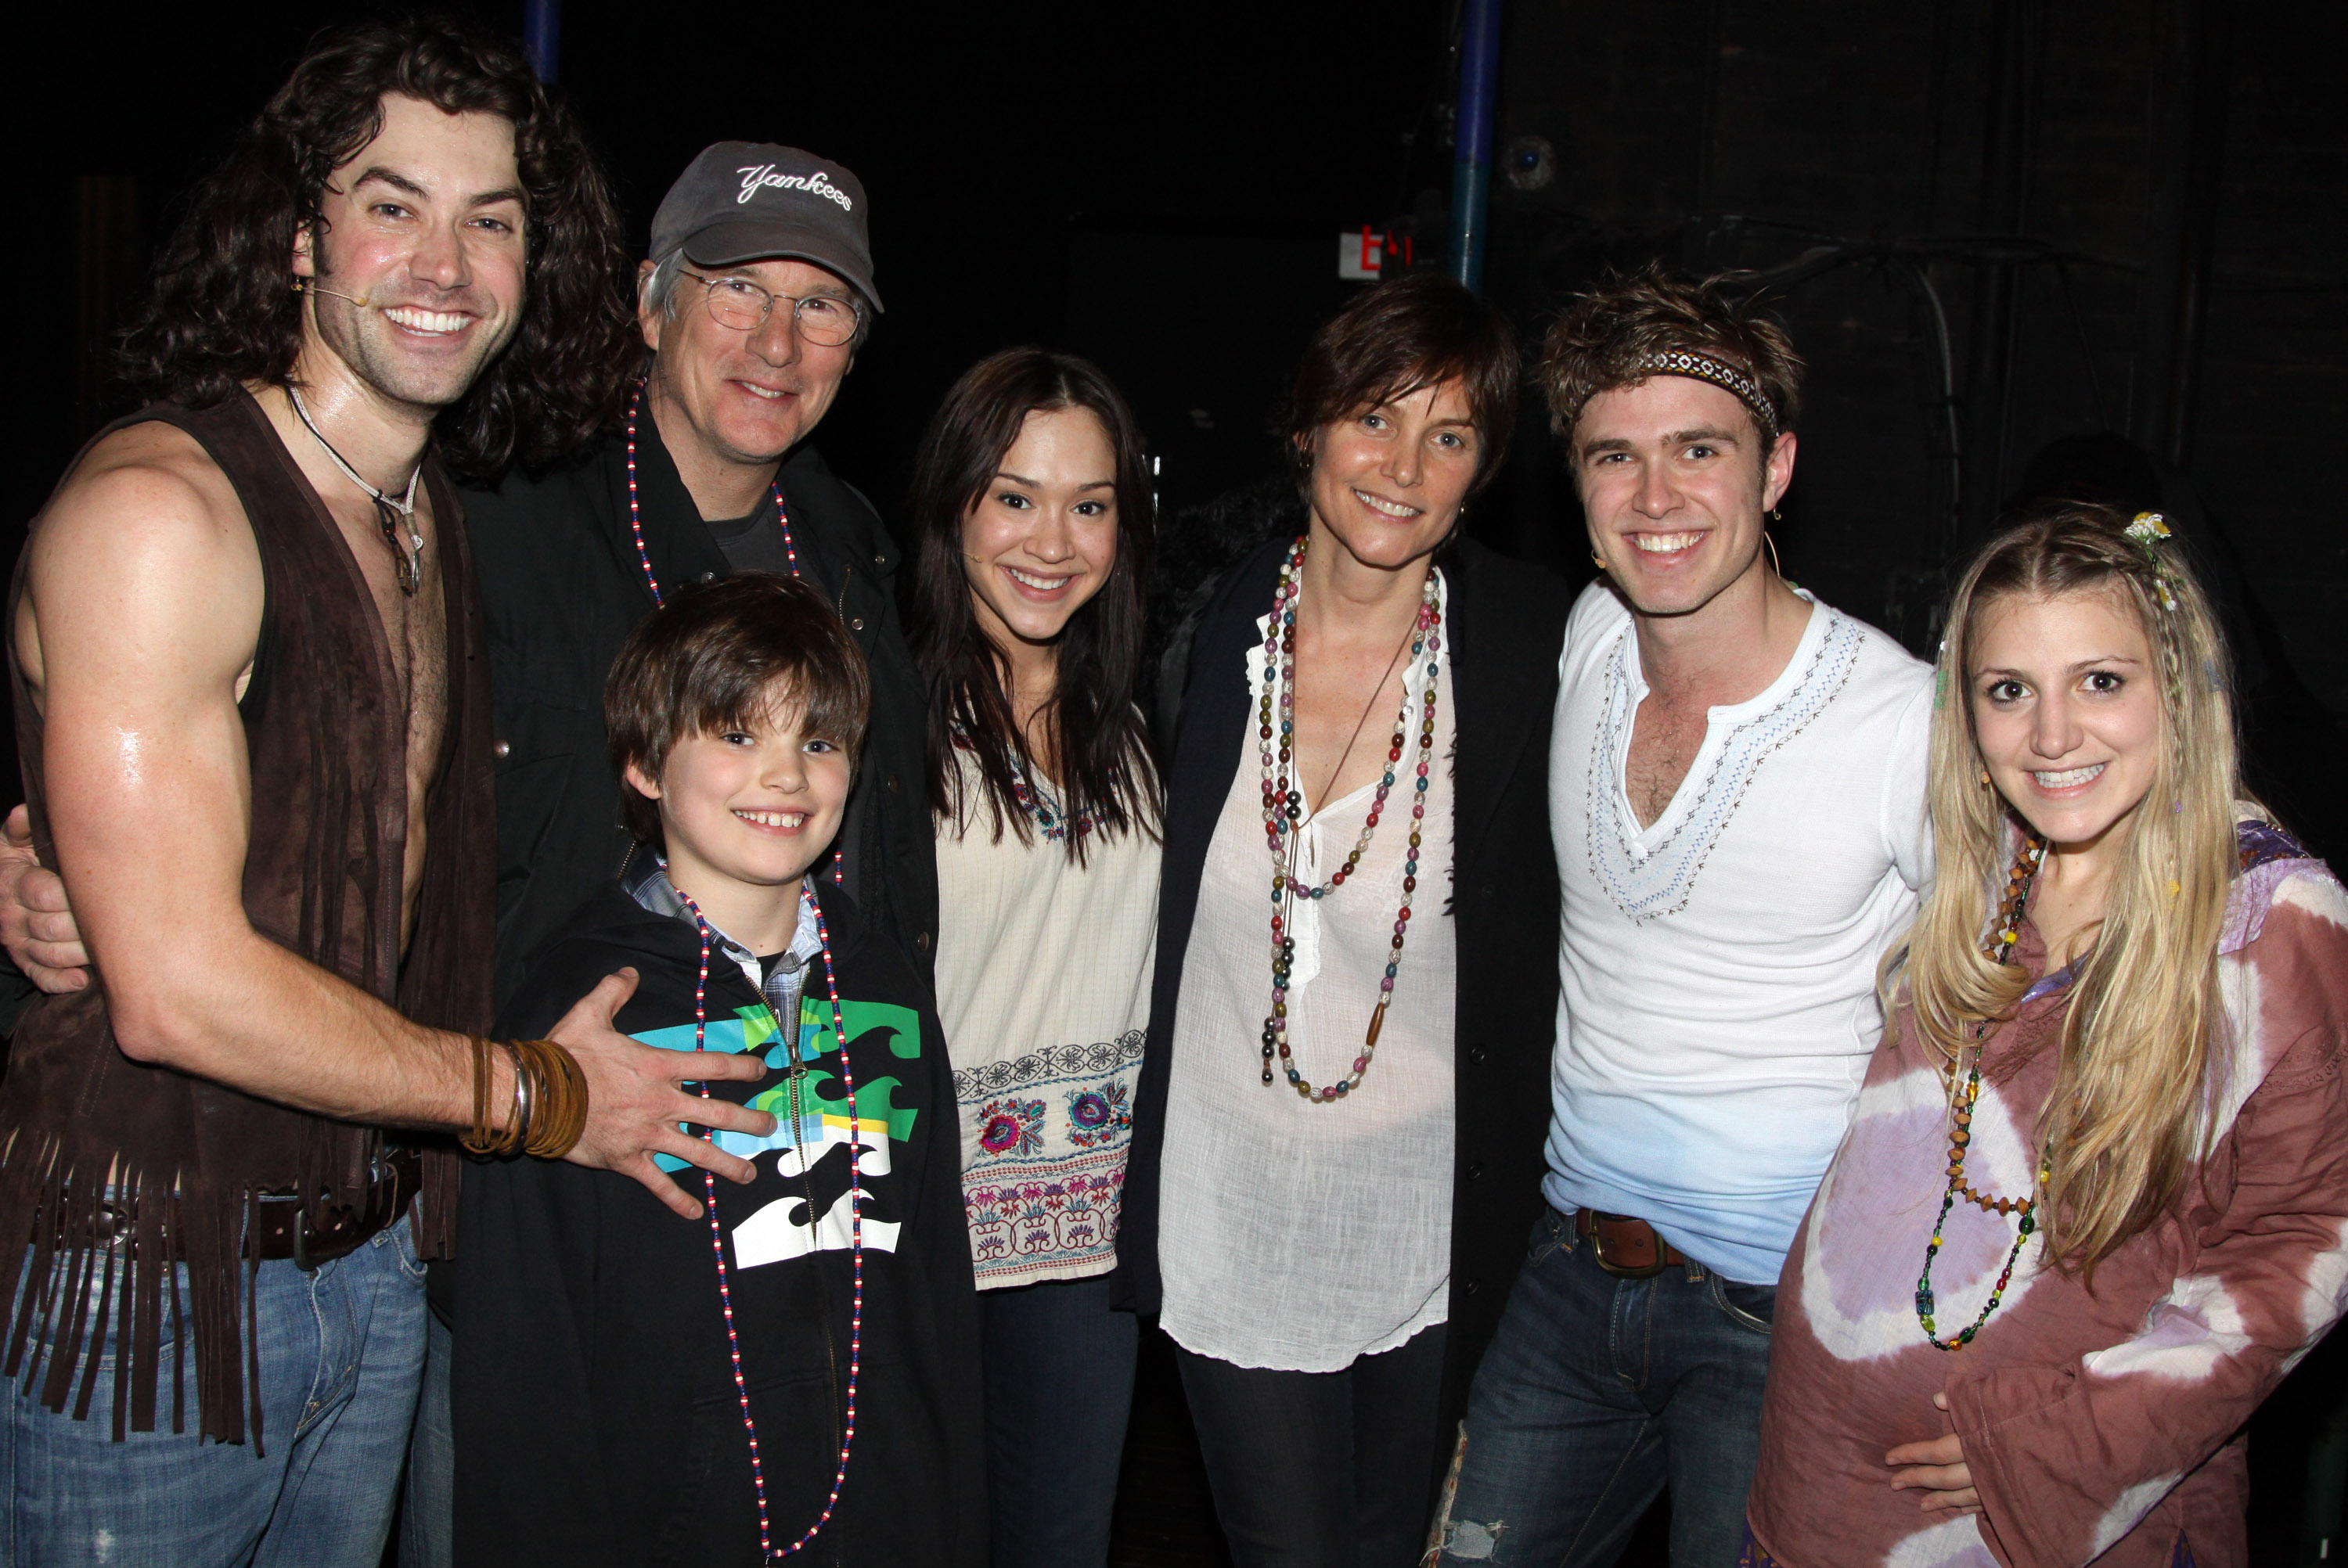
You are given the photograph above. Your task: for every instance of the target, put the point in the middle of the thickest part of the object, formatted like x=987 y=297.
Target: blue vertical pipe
x=542 y=34
x=1471 y=159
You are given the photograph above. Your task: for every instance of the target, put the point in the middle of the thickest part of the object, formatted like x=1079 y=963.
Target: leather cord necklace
x=407 y=554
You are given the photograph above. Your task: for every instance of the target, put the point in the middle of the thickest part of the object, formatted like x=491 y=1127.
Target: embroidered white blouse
x=1044 y=970
x=1301 y=1236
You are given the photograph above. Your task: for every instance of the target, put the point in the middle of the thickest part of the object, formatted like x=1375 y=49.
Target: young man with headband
x=1736 y=794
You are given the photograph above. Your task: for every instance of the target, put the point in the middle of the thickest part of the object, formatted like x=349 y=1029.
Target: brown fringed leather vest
x=325 y=729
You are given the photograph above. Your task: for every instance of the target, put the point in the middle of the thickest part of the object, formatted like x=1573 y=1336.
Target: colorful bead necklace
x=1050 y=820
x=1283 y=811
x=635 y=511
x=768 y=1551
x=1961 y=1114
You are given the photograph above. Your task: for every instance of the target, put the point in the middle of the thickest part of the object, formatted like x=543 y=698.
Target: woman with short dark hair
x=1337 y=1148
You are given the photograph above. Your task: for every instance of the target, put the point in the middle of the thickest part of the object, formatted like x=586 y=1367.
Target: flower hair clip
x=2149 y=530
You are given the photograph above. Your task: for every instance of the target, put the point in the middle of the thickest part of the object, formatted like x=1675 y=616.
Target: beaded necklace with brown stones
x=1284 y=811
x=2026 y=861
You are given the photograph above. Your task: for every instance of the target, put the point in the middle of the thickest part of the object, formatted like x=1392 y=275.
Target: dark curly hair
x=221 y=311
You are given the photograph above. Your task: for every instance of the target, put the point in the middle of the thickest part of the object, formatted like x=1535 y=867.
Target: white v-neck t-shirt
x=1296 y=1236
x=1718 y=966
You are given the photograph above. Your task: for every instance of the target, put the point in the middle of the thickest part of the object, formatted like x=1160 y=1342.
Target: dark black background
x=2129 y=212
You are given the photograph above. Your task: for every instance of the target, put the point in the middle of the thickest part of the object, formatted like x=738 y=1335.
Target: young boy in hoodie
x=608 y=1395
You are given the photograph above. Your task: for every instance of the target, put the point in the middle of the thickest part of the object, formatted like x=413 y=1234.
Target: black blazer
x=1505 y=627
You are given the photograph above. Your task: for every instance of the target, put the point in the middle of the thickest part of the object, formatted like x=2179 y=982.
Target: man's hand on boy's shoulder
x=635 y=1099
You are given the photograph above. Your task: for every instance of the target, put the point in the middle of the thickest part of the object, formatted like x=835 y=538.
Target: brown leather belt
x=1625 y=1247
x=277 y=1232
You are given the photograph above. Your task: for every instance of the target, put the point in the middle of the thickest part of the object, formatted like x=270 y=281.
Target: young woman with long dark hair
x=1340 y=1145
x=2107 y=1117
x=1032 y=519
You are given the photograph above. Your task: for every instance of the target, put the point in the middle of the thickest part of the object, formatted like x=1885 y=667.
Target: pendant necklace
x=407 y=553
x=1283 y=811
x=635 y=511
x=768 y=1551
x=1961 y=1116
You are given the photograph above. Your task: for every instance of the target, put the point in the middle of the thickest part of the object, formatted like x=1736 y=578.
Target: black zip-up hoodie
x=596 y=1416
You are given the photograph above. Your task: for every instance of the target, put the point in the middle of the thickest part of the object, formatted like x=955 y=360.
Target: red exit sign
x=1361 y=258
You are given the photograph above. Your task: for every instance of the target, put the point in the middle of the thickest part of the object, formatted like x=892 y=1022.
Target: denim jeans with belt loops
x=1597 y=1392
x=341 y=1351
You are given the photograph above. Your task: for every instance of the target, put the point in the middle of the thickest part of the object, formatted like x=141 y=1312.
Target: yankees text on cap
x=753 y=201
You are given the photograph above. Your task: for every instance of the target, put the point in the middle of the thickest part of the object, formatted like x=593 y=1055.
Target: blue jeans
x=427 y=1512
x=1597 y=1392
x=1321 y=1470
x=341 y=1351
x=1059 y=1385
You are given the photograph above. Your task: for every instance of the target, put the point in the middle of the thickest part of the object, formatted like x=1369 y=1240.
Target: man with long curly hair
x=253 y=708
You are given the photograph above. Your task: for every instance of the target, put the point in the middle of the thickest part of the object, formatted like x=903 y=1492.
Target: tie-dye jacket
x=2101 y=1427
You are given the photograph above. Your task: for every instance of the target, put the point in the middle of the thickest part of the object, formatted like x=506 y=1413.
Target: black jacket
x=562 y=589
x=1505 y=627
x=595 y=1411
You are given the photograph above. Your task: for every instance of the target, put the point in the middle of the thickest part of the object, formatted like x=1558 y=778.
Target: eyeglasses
x=824 y=319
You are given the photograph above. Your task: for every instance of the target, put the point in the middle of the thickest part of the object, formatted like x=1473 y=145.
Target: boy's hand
x=634 y=1103
x=36 y=924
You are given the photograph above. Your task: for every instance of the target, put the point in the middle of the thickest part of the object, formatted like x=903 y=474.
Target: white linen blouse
x=1302 y=1236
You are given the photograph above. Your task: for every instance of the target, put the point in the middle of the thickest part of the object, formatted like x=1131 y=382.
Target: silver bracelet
x=525 y=1099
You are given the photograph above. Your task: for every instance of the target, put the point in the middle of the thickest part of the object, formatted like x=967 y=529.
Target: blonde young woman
x=2092 y=1203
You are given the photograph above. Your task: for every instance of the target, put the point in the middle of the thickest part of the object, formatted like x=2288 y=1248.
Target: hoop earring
x=1599 y=559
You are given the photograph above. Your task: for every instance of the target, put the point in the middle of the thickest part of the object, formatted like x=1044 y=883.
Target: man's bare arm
x=143 y=609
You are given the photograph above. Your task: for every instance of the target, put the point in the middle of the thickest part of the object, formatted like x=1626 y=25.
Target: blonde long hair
x=2143 y=1040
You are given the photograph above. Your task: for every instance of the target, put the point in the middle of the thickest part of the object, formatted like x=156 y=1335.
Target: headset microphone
x=310 y=286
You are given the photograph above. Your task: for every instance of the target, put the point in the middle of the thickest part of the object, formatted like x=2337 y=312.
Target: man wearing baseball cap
x=756 y=295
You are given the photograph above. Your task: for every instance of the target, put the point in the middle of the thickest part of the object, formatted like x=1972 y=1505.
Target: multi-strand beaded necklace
x=2026 y=861
x=788 y=1035
x=1284 y=811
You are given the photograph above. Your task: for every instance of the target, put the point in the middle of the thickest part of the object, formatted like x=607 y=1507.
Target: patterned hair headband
x=2149 y=531
x=1720 y=373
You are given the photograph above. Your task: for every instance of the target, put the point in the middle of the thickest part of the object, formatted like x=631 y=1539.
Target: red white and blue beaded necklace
x=768 y=1551
x=636 y=509
x=644 y=558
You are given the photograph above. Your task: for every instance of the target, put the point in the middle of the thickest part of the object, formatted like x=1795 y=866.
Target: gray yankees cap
x=753 y=201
